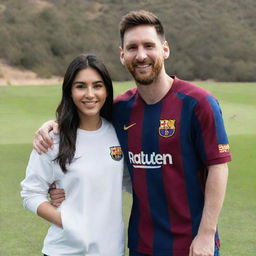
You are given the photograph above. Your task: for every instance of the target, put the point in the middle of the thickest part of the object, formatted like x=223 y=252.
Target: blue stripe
x=191 y=139
x=122 y=113
x=219 y=124
x=156 y=193
x=198 y=138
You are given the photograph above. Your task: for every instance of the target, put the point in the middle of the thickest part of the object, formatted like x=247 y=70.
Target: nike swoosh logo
x=129 y=126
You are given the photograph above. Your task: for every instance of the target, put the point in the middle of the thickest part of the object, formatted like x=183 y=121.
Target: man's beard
x=146 y=79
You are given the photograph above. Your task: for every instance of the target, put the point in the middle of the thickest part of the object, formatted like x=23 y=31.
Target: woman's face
x=89 y=93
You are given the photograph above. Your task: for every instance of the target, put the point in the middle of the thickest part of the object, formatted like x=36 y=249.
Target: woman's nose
x=89 y=93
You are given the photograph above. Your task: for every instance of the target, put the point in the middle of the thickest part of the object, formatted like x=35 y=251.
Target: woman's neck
x=90 y=123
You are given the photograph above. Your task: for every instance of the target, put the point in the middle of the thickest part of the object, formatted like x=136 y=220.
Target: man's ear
x=166 y=50
x=121 y=55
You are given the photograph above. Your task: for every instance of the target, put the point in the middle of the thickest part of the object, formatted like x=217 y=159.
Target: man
x=175 y=144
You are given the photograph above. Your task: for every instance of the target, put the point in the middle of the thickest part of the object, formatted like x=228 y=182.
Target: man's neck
x=154 y=92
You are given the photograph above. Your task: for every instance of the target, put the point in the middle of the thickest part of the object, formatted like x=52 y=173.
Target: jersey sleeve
x=39 y=176
x=210 y=135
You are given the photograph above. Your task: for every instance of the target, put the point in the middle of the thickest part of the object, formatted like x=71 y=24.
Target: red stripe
x=207 y=122
x=174 y=180
x=145 y=226
x=125 y=96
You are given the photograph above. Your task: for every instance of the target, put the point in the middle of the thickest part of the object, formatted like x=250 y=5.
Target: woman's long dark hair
x=66 y=113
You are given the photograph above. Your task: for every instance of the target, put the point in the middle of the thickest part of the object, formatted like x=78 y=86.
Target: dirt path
x=14 y=76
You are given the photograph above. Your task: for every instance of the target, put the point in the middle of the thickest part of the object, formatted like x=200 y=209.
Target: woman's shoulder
x=55 y=137
x=53 y=152
x=108 y=125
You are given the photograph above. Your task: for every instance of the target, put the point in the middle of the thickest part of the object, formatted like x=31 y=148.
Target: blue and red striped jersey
x=168 y=146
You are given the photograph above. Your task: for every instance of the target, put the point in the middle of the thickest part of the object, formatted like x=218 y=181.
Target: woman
x=87 y=162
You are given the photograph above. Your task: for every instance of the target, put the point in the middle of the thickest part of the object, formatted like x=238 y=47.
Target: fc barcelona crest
x=167 y=127
x=116 y=153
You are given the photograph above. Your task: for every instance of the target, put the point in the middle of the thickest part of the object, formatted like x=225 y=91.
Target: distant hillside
x=208 y=39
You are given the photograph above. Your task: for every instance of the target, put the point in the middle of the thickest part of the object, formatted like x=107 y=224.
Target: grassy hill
x=208 y=39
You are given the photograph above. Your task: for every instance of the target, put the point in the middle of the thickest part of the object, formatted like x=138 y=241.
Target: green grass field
x=24 y=109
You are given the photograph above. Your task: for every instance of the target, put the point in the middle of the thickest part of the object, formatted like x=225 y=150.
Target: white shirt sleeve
x=39 y=176
x=127 y=185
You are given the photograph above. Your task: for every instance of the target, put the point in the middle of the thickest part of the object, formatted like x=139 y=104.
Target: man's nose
x=141 y=55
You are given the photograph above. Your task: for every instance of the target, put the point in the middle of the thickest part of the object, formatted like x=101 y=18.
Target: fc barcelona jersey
x=168 y=146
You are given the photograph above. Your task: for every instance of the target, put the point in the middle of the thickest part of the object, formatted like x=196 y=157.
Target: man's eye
x=131 y=47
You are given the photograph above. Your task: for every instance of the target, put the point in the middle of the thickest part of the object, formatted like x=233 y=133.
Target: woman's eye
x=97 y=86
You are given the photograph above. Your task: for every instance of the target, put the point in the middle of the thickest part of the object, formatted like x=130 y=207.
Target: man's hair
x=141 y=17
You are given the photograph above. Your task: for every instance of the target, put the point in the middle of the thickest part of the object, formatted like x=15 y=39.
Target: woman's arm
x=35 y=186
x=49 y=213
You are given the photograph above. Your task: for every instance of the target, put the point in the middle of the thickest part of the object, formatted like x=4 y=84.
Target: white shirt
x=92 y=211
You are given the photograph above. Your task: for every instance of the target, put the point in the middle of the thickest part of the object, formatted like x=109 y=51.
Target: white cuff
x=33 y=202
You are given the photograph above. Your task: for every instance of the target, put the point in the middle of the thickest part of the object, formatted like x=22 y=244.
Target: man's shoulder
x=125 y=96
x=190 y=89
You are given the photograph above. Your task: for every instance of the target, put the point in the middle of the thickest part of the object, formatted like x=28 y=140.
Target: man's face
x=143 y=53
